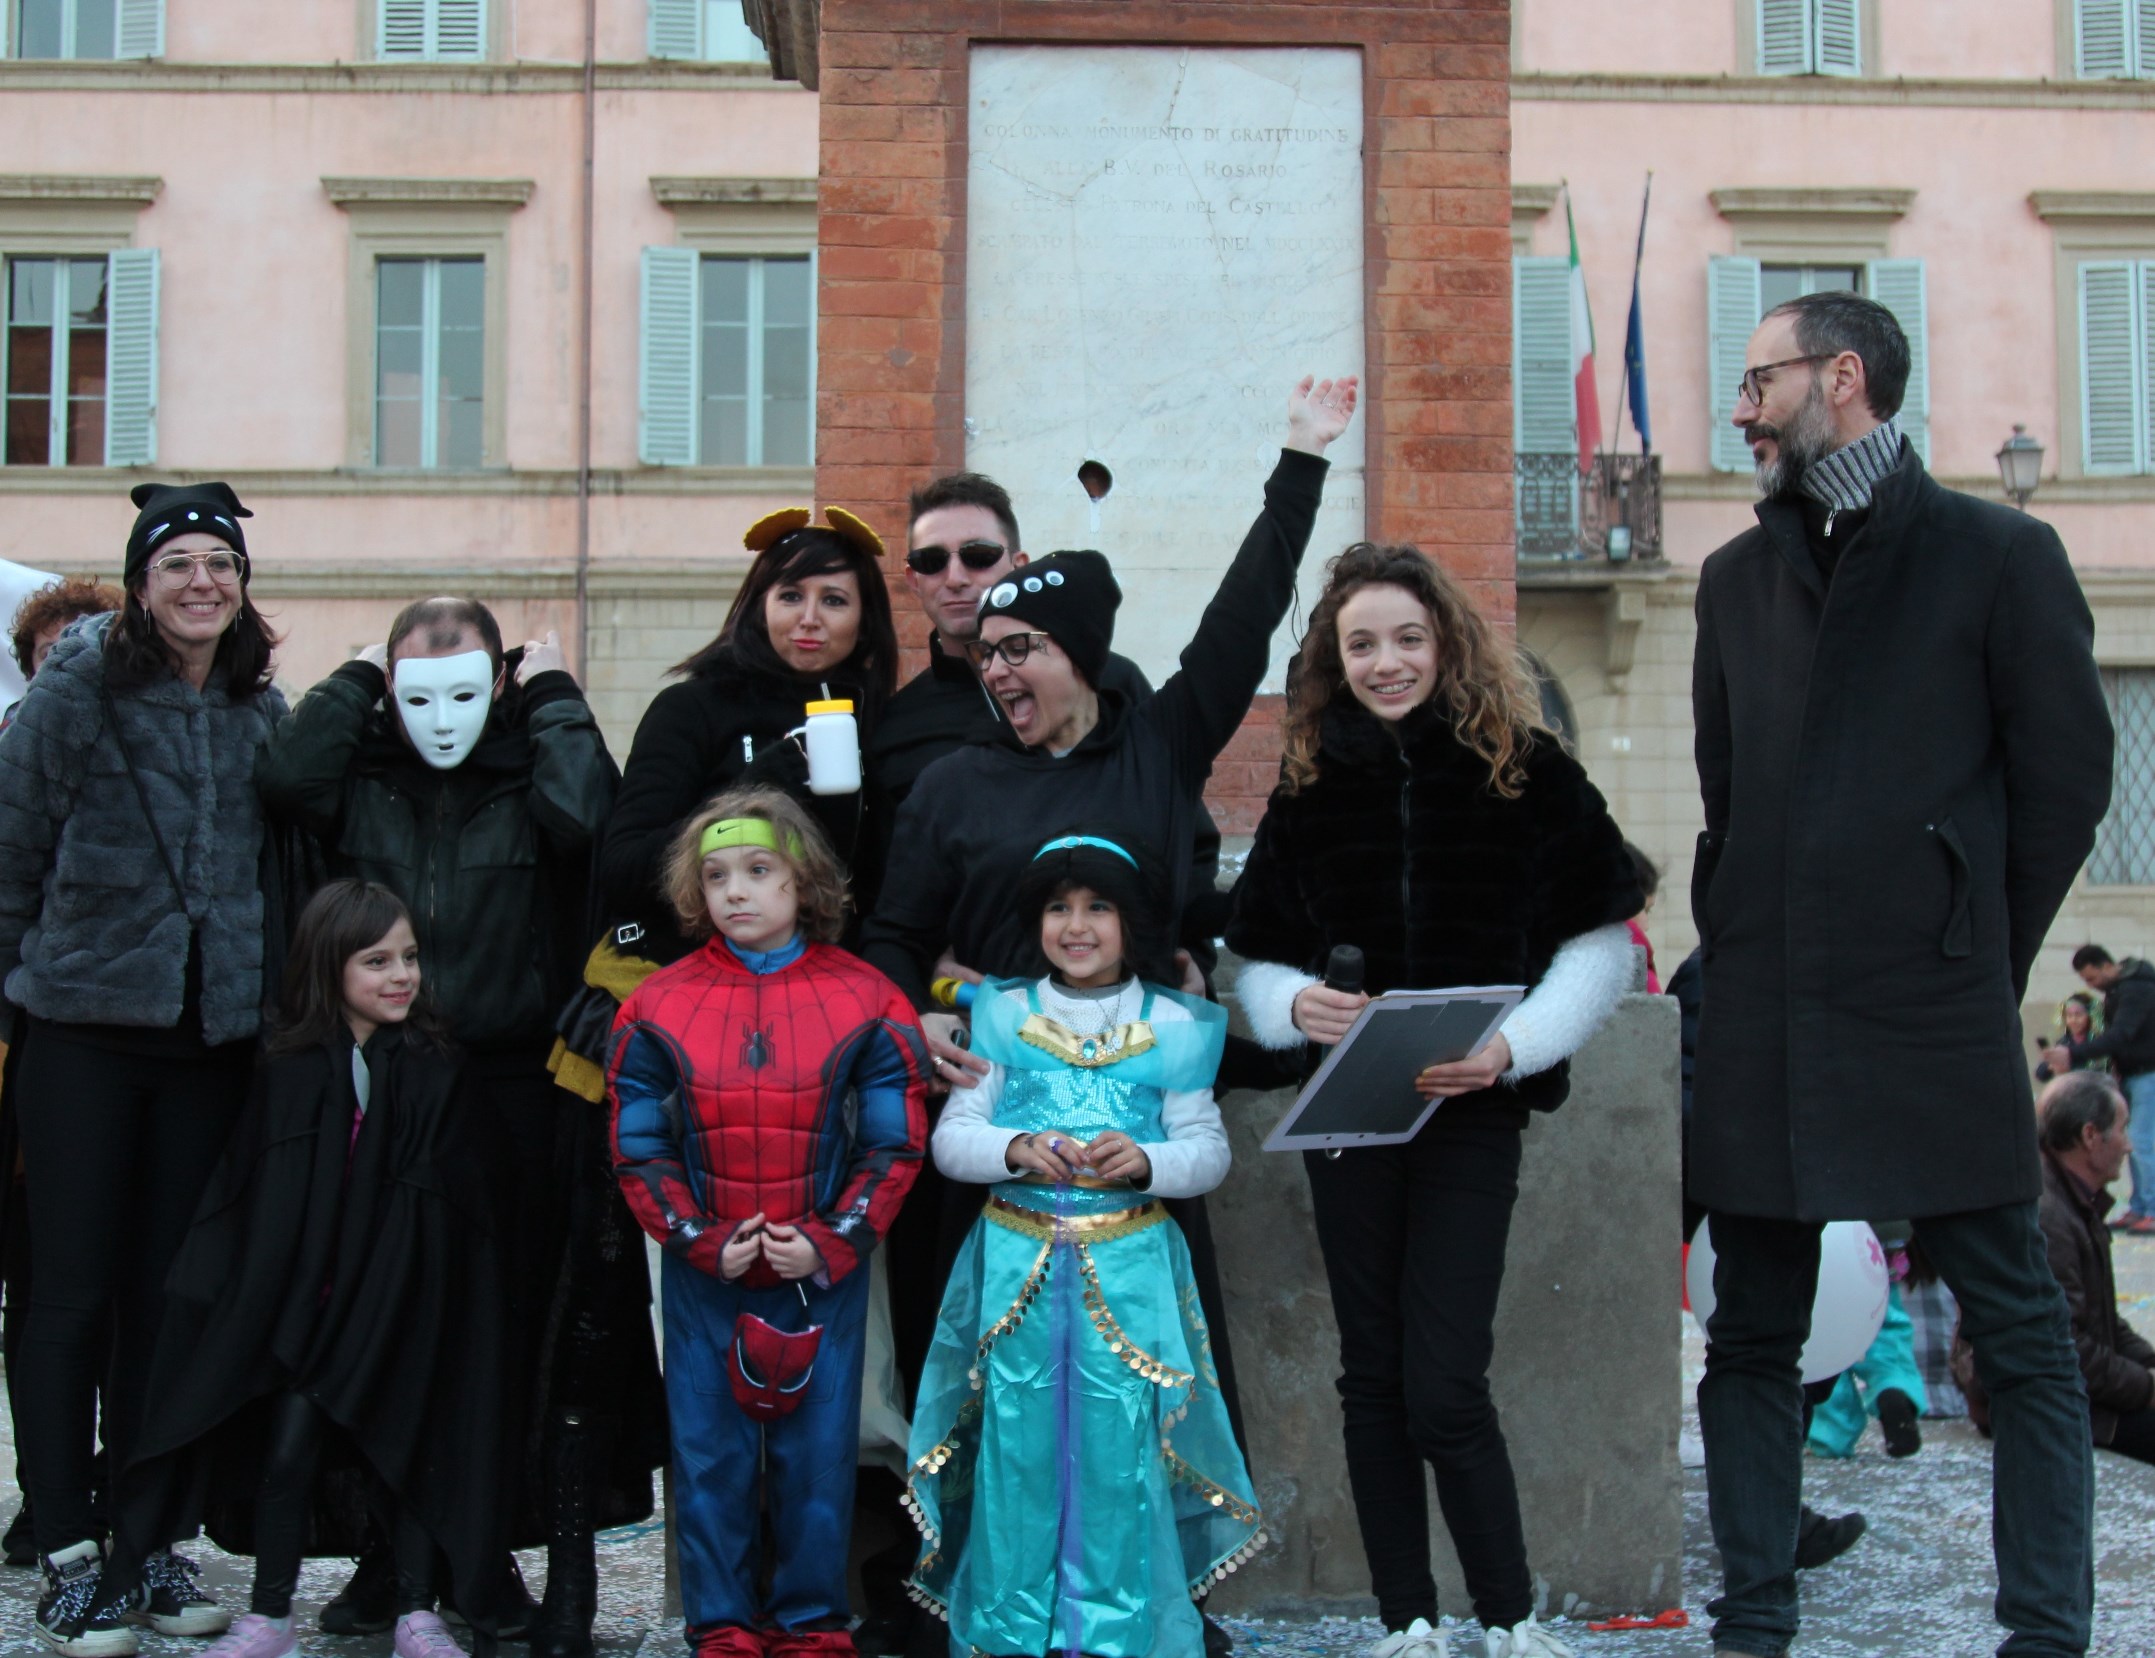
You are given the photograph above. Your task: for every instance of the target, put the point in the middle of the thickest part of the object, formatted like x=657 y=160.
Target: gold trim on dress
x=1092 y=1228
x=1087 y=1053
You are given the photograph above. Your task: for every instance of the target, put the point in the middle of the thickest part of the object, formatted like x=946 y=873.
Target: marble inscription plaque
x=1160 y=242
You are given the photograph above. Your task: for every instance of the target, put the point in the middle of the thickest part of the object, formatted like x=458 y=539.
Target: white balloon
x=1853 y=1283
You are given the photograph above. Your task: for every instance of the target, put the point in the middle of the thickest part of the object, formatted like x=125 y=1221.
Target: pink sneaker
x=423 y=1635
x=254 y=1636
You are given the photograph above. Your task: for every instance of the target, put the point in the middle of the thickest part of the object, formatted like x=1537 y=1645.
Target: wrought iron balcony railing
x=1562 y=515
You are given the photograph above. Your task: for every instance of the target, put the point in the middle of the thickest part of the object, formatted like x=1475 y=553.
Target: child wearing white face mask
x=473 y=782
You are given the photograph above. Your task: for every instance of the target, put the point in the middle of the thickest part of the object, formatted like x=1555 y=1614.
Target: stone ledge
x=428 y=192
x=552 y=79
x=714 y=192
x=1812 y=203
x=794 y=481
x=1833 y=89
x=2051 y=206
x=137 y=190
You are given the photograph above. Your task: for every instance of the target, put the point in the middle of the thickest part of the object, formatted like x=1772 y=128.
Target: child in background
x=1075 y=1478
x=769 y=1115
x=339 y=1292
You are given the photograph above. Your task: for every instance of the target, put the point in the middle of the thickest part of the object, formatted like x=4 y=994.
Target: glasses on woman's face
x=1013 y=648
x=974 y=555
x=178 y=569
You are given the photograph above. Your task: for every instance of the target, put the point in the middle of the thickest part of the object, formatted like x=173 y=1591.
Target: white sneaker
x=1417 y=1640
x=1524 y=1640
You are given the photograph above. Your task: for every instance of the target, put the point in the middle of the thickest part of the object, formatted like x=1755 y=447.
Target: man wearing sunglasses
x=1904 y=753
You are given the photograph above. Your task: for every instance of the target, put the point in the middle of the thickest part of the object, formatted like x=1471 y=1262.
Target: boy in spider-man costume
x=769 y=1117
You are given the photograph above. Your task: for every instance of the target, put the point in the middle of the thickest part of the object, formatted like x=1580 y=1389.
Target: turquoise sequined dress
x=1074 y=1476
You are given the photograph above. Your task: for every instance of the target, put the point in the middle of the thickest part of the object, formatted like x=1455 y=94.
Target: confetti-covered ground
x=1919 y=1585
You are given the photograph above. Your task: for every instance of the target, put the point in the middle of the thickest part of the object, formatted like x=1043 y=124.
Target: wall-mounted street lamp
x=2020 y=464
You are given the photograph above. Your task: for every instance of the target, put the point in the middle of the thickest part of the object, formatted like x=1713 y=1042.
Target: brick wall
x=1437 y=386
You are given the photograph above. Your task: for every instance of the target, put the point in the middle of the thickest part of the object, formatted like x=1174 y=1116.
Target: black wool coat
x=1902 y=775
x=1403 y=848
x=360 y=1273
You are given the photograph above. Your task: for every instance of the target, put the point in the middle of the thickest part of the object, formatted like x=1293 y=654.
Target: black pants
x=1751 y=1410
x=1413 y=1239
x=296 y=1431
x=117 y=1147
x=2135 y=1437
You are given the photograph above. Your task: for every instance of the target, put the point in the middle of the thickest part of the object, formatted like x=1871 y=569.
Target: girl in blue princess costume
x=1074 y=1477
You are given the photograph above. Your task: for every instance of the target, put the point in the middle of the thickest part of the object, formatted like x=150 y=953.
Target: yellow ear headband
x=748 y=831
x=773 y=526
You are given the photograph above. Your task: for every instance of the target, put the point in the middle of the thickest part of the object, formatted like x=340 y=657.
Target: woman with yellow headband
x=769 y=1114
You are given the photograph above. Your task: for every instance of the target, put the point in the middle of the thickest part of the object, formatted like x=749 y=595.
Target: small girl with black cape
x=1074 y=1476
x=338 y=1294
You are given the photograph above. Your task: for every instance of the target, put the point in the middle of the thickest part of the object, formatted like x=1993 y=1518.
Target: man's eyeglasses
x=1752 y=387
x=178 y=569
x=1013 y=648
x=974 y=555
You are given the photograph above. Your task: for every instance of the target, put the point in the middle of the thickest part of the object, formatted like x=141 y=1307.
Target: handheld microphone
x=1343 y=969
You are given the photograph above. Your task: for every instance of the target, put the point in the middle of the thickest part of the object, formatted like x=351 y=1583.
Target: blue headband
x=1070 y=843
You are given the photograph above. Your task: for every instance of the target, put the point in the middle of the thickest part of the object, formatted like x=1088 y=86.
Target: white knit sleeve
x=1584 y=983
x=968 y=1146
x=1266 y=990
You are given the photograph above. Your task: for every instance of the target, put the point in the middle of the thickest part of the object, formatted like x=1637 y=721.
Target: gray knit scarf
x=1843 y=480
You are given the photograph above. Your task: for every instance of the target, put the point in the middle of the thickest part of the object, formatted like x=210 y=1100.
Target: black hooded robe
x=365 y=1280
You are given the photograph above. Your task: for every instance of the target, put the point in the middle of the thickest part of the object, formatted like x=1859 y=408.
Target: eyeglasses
x=178 y=569
x=974 y=555
x=1752 y=387
x=1013 y=648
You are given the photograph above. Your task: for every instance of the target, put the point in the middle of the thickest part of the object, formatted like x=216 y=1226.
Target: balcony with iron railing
x=1609 y=515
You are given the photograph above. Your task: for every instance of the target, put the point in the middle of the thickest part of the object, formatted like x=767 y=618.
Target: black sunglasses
x=974 y=555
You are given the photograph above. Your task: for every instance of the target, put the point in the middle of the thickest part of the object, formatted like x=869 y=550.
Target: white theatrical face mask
x=443 y=701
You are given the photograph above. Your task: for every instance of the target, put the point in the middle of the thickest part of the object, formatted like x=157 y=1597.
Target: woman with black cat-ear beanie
x=131 y=942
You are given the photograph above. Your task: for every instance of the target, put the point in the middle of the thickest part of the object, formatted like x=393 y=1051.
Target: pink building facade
x=1982 y=166
x=343 y=255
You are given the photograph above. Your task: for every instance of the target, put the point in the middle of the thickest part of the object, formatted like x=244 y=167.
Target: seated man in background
x=2082 y=1121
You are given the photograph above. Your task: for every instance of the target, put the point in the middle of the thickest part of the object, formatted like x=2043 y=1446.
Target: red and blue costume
x=788 y=1083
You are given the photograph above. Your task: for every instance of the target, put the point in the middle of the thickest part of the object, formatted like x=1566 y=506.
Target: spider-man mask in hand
x=770 y=1367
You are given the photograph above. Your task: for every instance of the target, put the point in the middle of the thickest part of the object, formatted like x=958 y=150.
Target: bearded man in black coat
x=1904 y=753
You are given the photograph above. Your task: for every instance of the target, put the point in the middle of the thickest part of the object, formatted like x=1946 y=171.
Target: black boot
x=563 y=1629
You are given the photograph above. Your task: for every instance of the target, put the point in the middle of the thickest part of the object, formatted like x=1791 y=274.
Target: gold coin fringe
x=1118 y=1343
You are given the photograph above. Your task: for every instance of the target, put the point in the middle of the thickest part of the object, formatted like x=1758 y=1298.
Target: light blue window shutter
x=666 y=378
x=2147 y=364
x=402 y=31
x=459 y=29
x=2101 y=50
x=1544 y=420
x=673 y=28
x=1732 y=310
x=141 y=31
x=1838 y=37
x=2144 y=40
x=1784 y=37
x=2113 y=386
x=1898 y=285
x=131 y=357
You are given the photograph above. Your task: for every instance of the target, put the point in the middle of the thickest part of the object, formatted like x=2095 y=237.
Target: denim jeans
x=2140 y=1090
x=1751 y=1417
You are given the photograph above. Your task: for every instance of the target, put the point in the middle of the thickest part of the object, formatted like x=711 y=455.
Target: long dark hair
x=340 y=920
x=1138 y=893
x=745 y=639
x=1482 y=686
x=136 y=653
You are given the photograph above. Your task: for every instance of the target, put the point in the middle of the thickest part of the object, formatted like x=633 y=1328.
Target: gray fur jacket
x=91 y=931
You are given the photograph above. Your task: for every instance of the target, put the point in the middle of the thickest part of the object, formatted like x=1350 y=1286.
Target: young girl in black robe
x=339 y=1291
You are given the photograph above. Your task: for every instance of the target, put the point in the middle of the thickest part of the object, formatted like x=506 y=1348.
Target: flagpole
x=1638 y=260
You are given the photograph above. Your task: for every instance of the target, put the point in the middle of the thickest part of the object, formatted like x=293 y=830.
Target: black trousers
x=1413 y=1239
x=297 y=1429
x=2135 y=1437
x=117 y=1147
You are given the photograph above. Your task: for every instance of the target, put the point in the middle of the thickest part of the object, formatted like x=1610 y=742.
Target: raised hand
x=1318 y=411
x=542 y=656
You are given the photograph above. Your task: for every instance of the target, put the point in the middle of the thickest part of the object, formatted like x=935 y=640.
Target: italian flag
x=1585 y=402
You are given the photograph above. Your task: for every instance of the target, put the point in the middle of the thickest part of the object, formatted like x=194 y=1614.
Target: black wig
x=1137 y=890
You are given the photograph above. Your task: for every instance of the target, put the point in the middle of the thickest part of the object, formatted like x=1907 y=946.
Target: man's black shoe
x=1819 y=1539
x=1897 y=1416
x=367 y=1604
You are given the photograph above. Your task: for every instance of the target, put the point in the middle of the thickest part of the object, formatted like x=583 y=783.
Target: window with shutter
x=2102 y=34
x=1809 y=37
x=2125 y=843
x=140 y=31
x=432 y=30
x=52 y=361
x=1544 y=416
x=1732 y=312
x=671 y=28
x=131 y=357
x=2114 y=366
x=727 y=38
x=84 y=29
x=430 y=363
x=728 y=365
x=1898 y=285
x=2144 y=40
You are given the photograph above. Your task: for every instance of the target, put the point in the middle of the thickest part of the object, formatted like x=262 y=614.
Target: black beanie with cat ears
x=169 y=510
